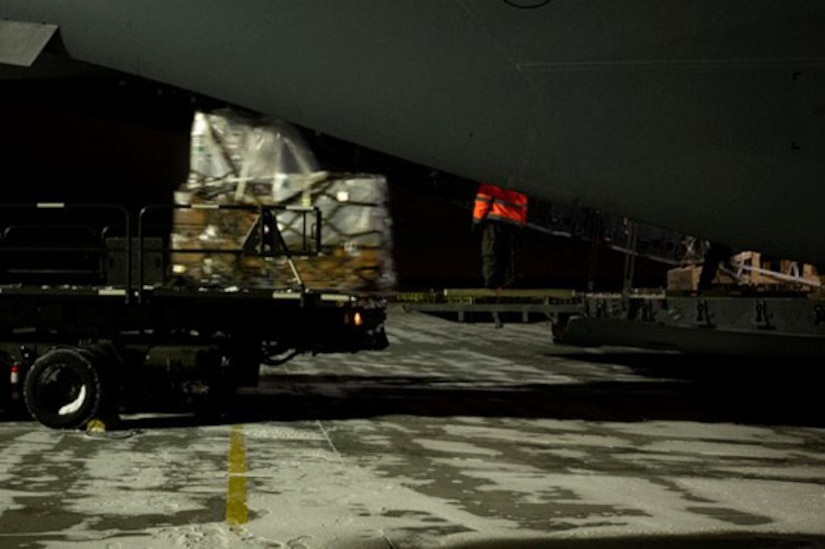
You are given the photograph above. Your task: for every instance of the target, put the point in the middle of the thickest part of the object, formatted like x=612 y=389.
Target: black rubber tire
x=63 y=389
x=5 y=381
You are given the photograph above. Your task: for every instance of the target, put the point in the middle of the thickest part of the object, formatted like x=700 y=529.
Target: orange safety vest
x=497 y=204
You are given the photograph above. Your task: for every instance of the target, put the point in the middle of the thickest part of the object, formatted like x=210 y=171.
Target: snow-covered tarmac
x=457 y=435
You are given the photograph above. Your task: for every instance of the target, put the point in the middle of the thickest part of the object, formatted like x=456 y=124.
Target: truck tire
x=5 y=381
x=63 y=389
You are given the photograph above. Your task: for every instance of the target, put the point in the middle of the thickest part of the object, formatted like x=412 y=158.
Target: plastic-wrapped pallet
x=243 y=159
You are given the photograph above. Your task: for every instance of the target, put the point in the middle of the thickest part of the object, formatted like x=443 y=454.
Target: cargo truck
x=94 y=322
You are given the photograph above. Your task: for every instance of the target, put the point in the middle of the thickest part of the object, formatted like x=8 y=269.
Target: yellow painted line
x=237 y=512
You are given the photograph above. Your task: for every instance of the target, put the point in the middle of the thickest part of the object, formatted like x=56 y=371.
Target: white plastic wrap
x=237 y=158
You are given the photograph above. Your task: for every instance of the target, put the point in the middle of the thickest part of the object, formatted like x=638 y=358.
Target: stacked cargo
x=240 y=159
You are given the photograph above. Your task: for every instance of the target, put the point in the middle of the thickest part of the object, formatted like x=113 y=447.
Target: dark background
x=117 y=139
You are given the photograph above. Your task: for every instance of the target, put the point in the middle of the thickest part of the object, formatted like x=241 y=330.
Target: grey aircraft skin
x=703 y=116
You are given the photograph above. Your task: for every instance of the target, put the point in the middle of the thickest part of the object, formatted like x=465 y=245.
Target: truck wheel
x=63 y=389
x=5 y=381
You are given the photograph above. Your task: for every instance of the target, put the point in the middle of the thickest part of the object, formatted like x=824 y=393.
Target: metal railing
x=92 y=245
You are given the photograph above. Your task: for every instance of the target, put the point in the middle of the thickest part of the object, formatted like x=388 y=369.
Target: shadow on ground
x=749 y=541
x=667 y=387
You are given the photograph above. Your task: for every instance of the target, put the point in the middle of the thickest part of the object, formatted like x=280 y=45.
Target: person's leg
x=489 y=257
x=508 y=256
x=708 y=273
x=714 y=255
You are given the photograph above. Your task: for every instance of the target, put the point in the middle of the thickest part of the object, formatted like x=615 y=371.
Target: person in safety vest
x=501 y=214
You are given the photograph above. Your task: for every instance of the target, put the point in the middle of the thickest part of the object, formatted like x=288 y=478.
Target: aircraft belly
x=706 y=118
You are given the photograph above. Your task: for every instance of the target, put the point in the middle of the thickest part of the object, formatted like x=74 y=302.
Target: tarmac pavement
x=456 y=435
